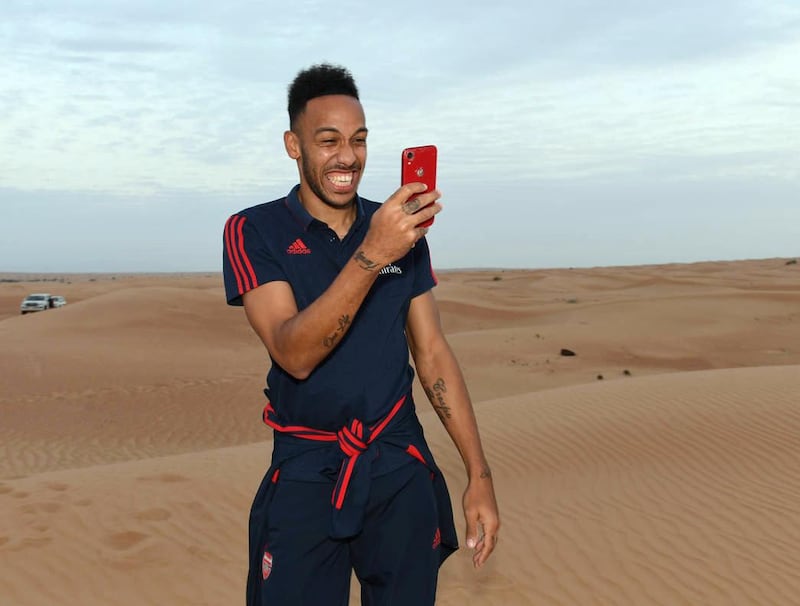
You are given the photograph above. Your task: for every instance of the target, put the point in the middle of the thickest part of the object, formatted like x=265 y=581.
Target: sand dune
x=131 y=443
x=681 y=488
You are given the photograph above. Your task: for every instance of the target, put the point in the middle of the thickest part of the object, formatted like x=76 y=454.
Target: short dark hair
x=317 y=81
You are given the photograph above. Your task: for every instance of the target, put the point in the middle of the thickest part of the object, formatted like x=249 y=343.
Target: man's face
x=330 y=142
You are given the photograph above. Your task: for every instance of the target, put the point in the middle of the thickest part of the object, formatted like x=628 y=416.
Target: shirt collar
x=304 y=217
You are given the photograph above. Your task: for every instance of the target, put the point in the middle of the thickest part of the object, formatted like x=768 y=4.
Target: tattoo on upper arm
x=364 y=262
x=436 y=396
x=331 y=339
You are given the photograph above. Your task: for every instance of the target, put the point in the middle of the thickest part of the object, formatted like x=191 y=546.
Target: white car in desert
x=40 y=301
x=35 y=302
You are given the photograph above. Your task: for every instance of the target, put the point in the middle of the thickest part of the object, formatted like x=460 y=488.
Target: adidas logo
x=298 y=247
x=390 y=269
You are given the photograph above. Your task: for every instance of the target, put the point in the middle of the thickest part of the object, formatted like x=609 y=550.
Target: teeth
x=341 y=179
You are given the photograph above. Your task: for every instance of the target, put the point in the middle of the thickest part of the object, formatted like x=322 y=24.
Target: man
x=338 y=288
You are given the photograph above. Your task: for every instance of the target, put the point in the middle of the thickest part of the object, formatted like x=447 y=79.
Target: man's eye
x=361 y=141
x=328 y=141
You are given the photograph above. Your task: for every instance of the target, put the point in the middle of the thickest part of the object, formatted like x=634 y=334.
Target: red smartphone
x=419 y=166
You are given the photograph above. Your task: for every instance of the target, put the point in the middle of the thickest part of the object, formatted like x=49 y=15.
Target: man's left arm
x=444 y=384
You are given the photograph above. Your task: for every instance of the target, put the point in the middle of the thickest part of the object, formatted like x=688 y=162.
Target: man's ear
x=292 y=144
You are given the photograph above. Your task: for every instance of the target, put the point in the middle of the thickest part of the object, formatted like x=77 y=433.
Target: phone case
x=419 y=166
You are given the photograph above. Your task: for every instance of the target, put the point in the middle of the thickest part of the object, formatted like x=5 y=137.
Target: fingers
x=474 y=533
x=423 y=218
x=478 y=553
x=413 y=191
x=482 y=533
x=407 y=191
x=401 y=222
x=411 y=206
x=420 y=231
x=411 y=199
x=485 y=546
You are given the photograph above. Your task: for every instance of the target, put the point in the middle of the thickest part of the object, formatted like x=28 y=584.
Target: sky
x=570 y=134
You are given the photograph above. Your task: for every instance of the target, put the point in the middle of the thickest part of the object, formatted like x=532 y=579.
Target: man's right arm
x=299 y=340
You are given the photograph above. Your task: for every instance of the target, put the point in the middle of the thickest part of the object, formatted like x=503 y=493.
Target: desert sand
x=659 y=465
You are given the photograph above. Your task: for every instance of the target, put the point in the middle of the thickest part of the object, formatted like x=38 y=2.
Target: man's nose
x=347 y=154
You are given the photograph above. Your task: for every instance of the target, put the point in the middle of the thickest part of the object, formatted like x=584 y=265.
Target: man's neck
x=338 y=219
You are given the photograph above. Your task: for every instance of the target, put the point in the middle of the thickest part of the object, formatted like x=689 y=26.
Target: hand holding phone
x=419 y=166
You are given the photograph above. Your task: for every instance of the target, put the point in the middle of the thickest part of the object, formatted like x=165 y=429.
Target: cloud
x=106 y=45
x=178 y=101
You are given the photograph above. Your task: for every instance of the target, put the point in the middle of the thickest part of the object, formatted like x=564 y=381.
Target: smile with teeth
x=341 y=179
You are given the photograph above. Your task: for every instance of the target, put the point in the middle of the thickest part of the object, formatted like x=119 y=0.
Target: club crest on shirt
x=266 y=565
x=390 y=269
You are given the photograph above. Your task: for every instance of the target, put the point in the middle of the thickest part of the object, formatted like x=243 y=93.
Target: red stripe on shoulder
x=243 y=253
x=235 y=264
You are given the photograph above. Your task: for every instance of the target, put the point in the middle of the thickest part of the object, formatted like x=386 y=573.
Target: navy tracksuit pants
x=396 y=556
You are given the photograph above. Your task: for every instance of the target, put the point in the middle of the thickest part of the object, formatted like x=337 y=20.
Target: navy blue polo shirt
x=368 y=370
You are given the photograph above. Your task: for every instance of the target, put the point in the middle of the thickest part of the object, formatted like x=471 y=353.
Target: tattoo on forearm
x=486 y=473
x=364 y=261
x=331 y=339
x=436 y=396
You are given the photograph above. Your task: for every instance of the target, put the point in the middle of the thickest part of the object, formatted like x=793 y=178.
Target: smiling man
x=338 y=288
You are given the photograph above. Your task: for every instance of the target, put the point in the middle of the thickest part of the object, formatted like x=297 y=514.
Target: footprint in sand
x=164 y=477
x=4 y=540
x=125 y=540
x=57 y=486
x=48 y=507
x=5 y=489
x=153 y=515
x=29 y=542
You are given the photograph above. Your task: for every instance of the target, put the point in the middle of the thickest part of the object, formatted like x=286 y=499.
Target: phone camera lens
x=410 y=155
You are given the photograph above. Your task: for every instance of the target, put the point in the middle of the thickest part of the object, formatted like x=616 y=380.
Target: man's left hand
x=483 y=519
